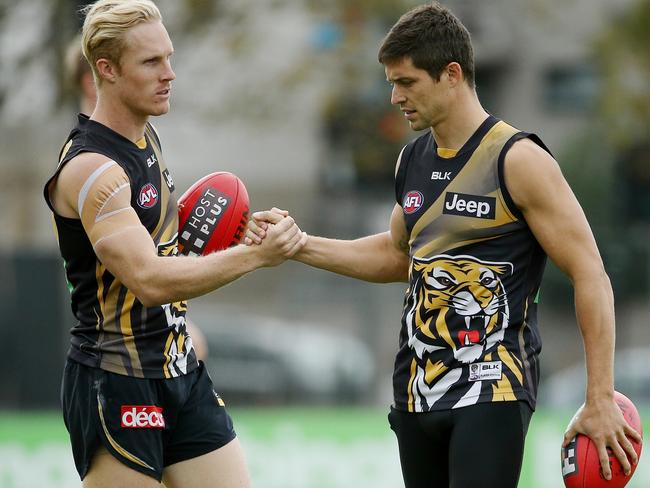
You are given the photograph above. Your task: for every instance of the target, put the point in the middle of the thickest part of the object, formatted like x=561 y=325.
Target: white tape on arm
x=83 y=193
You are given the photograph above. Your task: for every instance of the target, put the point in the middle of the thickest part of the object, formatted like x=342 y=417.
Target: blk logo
x=441 y=175
x=470 y=205
x=148 y=196
x=412 y=202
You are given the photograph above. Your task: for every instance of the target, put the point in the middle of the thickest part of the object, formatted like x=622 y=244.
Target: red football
x=580 y=463
x=212 y=214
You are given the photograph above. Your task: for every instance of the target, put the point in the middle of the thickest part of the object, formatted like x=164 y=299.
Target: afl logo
x=148 y=196
x=412 y=202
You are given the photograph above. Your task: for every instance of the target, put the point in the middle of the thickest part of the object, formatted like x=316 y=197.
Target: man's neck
x=120 y=119
x=465 y=116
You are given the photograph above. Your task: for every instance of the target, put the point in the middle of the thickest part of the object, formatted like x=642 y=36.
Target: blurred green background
x=289 y=447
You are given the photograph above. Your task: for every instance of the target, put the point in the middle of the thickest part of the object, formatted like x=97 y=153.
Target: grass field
x=285 y=448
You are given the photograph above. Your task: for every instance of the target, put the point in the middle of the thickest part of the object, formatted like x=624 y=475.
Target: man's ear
x=107 y=70
x=454 y=73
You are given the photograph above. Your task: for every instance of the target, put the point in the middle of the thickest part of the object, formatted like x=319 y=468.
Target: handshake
x=277 y=233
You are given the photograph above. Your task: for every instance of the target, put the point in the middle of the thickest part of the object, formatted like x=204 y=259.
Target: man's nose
x=396 y=96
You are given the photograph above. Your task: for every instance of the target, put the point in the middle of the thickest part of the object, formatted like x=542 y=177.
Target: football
x=580 y=464
x=212 y=214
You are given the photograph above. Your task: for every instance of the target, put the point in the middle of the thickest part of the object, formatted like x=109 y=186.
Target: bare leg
x=107 y=472
x=222 y=468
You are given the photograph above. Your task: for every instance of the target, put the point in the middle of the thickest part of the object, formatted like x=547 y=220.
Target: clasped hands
x=278 y=226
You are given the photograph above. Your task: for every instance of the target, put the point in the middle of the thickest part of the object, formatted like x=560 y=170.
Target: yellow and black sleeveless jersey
x=469 y=325
x=115 y=331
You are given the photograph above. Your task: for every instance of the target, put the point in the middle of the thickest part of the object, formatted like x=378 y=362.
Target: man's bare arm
x=125 y=247
x=554 y=215
x=379 y=258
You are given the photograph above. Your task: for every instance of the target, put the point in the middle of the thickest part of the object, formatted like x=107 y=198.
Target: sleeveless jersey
x=115 y=331
x=469 y=325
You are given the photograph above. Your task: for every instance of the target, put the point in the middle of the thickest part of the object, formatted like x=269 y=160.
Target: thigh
x=104 y=410
x=423 y=440
x=201 y=423
x=489 y=438
x=222 y=468
x=107 y=472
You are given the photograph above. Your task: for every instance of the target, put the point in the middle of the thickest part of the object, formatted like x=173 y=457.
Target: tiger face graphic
x=457 y=303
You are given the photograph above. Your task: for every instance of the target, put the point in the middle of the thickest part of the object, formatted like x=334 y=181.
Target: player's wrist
x=256 y=256
x=599 y=394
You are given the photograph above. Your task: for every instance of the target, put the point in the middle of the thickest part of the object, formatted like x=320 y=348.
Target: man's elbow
x=395 y=271
x=150 y=299
x=146 y=290
x=148 y=296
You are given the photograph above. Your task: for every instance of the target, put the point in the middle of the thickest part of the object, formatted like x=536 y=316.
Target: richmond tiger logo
x=459 y=303
x=456 y=313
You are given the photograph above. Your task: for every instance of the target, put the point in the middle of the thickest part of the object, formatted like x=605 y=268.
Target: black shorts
x=146 y=424
x=475 y=446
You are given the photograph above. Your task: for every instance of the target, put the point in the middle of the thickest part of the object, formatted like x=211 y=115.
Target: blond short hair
x=105 y=26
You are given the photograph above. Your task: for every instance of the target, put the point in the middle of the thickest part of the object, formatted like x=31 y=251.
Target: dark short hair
x=432 y=37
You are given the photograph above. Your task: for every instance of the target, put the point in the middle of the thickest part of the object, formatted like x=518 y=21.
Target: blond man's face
x=144 y=75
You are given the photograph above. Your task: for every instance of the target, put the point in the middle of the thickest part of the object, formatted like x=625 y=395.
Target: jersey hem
x=449 y=405
x=146 y=373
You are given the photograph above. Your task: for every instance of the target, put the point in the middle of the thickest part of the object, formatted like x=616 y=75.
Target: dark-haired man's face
x=419 y=96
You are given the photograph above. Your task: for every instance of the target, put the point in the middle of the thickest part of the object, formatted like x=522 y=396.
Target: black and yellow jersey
x=469 y=325
x=115 y=331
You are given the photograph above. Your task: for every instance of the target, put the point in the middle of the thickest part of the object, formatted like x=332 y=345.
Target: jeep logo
x=469 y=205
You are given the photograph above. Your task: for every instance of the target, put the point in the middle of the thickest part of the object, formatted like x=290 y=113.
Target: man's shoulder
x=527 y=147
x=79 y=168
x=527 y=161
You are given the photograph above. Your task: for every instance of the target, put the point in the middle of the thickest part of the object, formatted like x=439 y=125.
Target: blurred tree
x=199 y=12
x=364 y=133
x=608 y=166
x=623 y=53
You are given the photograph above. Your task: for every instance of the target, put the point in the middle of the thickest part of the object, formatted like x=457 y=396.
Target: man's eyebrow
x=159 y=55
x=399 y=78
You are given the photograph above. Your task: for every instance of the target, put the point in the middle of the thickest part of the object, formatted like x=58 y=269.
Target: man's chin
x=159 y=110
x=416 y=126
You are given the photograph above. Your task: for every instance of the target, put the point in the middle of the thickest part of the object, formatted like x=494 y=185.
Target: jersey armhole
x=512 y=207
x=400 y=176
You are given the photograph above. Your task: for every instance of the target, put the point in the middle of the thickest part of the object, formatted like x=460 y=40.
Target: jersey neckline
x=85 y=120
x=471 y=144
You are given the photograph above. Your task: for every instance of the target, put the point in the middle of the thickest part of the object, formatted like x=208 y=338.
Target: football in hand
x=580 y=463
x=212 y=214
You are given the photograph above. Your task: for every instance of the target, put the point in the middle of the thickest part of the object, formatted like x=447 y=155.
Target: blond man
x=139 y=407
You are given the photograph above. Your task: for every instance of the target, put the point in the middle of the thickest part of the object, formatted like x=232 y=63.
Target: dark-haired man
x=470 y=232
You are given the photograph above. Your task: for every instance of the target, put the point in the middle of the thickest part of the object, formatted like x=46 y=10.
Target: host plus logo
x=142 y=417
